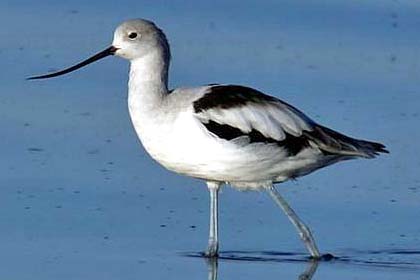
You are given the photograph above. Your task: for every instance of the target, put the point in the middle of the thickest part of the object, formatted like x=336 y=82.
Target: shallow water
x=81 y=199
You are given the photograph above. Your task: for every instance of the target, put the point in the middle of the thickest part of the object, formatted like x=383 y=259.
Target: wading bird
x=223 y=134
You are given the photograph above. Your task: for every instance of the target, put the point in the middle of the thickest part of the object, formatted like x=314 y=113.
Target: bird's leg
x=213 y=247
x=303 y=230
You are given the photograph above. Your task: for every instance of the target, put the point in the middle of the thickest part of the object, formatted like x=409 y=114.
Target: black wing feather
x=293 y=145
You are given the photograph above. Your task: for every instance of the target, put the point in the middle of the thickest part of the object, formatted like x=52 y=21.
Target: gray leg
x=213 y=247
x=303 y=230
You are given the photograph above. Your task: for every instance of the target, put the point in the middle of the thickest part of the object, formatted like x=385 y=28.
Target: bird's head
x=133 y=39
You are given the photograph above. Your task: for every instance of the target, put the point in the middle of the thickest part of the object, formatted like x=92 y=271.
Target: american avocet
x=223 y=134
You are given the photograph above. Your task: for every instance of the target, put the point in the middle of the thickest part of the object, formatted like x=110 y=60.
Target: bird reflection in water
x=307 y=274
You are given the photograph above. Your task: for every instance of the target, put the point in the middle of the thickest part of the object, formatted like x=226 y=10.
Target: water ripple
x=406 y=259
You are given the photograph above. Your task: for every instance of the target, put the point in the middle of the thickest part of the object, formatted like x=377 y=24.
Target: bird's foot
x=325 y=257
x=212 y=251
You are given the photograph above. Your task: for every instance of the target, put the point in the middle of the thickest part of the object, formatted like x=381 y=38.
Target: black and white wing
x=230 y=112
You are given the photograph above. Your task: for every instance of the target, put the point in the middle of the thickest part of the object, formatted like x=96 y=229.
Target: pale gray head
x=138 y=37
x=133 y=39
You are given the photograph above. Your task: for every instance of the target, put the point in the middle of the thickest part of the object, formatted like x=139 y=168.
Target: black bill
x=109 y=51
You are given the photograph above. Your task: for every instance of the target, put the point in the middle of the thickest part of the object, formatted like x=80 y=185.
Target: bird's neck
x=148 y=82
x=148 y=87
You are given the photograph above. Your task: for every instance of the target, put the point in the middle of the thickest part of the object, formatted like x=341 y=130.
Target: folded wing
x=230 y=112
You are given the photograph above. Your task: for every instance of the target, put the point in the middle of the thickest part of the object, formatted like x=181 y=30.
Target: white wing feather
x=271 y=119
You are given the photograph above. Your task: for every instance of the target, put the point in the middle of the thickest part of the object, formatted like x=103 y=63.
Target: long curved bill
x=107 y=52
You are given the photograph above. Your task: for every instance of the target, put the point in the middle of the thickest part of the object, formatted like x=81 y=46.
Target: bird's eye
x=132 y=35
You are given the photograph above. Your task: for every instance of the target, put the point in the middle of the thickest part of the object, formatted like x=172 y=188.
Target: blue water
x=80 y=198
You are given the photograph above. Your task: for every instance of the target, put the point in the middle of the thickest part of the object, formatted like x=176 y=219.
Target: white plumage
x=221 y=133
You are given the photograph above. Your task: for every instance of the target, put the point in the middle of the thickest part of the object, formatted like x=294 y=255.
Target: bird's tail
x=335 y=143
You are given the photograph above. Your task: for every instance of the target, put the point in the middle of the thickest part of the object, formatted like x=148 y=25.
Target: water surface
x=81 y=199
